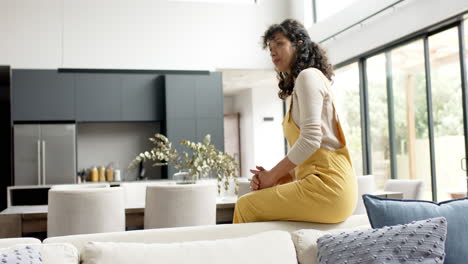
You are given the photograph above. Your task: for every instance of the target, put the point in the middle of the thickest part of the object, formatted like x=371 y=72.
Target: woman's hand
x=267 y=180
x=255 y=182
x=278 y=175
x=262 y=179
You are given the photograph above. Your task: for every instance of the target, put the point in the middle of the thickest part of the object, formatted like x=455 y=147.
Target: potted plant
x=202 y=159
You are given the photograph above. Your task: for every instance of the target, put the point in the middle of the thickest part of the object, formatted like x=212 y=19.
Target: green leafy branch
x=203 y=159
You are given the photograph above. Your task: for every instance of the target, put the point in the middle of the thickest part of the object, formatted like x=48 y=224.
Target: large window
x=346 y=93
x=447 y=112
x=402 y=83
x=410 y=112
x=465 y=24
x=378 y=116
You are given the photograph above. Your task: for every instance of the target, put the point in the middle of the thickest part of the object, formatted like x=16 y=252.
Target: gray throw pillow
x=417 y=242
x=388 y=212
x=20 y=255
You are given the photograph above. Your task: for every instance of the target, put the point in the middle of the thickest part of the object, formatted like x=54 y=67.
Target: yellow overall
x=324 y=191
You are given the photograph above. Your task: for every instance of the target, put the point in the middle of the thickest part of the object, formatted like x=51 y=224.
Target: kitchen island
x=18 y=221
x=31 y=220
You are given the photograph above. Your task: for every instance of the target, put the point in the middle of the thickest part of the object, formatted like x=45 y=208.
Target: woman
x=322 y=186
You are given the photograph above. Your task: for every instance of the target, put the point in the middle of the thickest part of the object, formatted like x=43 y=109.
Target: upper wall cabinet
x=143 y=97
x=42 y=95
x=194 y=96
x=119 y=97
x=49 y=95
x=98 y=97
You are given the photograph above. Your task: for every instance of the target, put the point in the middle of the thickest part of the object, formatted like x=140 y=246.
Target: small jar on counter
x=117 y=176
x=109 y=174
x=93 y=174
x=102 y=174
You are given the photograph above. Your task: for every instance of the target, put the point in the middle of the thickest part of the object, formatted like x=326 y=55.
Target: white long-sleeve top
x=312 y=111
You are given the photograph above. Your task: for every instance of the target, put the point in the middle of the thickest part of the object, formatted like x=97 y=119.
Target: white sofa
x=264 y=242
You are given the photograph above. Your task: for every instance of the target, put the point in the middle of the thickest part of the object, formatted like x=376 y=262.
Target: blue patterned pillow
x=20 y=255
x=416 y=242
x=386 y=212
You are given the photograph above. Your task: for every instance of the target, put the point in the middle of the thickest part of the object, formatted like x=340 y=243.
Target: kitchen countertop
x=15 y=208
x=221 y=202
x=114 y=183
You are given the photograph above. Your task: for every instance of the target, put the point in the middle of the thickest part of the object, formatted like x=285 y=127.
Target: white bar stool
x=180 y=205
x=85 y=211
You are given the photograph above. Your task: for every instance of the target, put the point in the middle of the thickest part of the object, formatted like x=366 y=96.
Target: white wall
x=268 y=135
x=31 y=33
x=357 y=11
x=243 y=105
x=408 y=17
x=140 y=34
x=262 y=142
x=302 y=11
x=228 y=104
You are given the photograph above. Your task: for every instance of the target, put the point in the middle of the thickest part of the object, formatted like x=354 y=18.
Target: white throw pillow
x=21 y=255
x=268 y=247
x=305 y=241
x=53 y=253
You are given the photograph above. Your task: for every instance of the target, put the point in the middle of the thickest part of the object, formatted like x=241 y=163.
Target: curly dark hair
x=308 y=54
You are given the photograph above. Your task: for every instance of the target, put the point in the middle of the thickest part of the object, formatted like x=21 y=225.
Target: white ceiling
x=237 y=80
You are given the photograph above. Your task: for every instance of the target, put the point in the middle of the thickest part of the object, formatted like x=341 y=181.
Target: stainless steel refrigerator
x=44 y=154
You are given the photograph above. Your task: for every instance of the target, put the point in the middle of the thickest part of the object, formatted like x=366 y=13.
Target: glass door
x=413 y=160
x=449 y=140
x=346 y=94
x=378 y=118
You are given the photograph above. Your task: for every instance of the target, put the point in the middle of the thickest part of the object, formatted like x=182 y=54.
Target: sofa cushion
x=267 y=247
x=60 y=253
x=386 y=212
x=53 y=253
x=305 y=242
x=210 y=232
x=417 y=242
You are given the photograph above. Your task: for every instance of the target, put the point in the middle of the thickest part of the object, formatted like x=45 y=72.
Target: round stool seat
x=180 y=205
x=85 y=211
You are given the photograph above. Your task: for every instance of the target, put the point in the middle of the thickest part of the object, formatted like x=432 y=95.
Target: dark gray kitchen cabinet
x=42 y=95
x=194 y=108
x=143 y=97
x=214 y=127
x=182 y=129
x=98 y=97
x=180 y=97
x=209 y=96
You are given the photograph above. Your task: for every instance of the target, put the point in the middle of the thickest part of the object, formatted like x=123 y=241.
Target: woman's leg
x=270 y=204
x=307 y=200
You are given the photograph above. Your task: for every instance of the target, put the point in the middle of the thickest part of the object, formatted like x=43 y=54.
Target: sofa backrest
x=264 y=248
x=198 y=233
x=27 y=250
x=8 y=242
